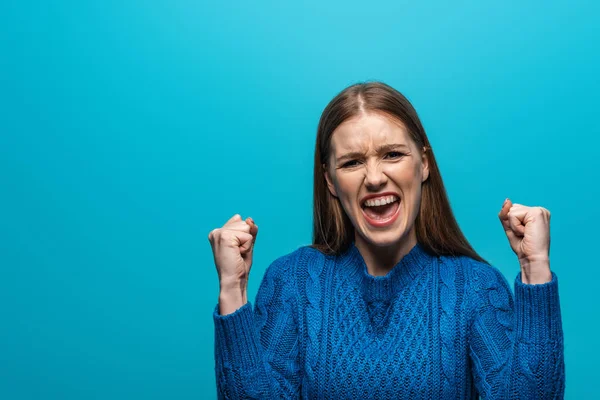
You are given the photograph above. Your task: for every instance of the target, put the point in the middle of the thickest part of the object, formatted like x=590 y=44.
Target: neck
x=381 y=259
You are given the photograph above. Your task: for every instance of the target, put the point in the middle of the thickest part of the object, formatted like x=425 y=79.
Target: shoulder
x=476 y=274
x=299 y=261
x=486 y=288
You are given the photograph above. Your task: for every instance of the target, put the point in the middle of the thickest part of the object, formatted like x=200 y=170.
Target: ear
x=425 y=164
x=330 y=184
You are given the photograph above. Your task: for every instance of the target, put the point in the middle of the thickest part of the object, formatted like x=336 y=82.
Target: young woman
x=390 y=301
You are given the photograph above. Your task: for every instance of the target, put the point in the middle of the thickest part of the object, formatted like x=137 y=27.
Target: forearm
x=517 y=346
x=239 y=358
x=538 y=364
x=253 y=356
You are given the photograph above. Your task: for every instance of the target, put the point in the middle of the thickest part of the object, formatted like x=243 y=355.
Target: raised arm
x=516 y=347
x=257 y=350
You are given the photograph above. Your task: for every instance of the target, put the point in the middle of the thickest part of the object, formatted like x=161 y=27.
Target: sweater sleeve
x=257 y=350
x=516 y=345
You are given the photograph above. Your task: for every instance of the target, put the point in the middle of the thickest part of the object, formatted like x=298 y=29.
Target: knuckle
x=228 y=236
x=540 y=210
x=223 y=236
x=211 y=234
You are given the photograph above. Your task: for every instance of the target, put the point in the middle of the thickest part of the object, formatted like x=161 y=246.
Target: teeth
x=380 y=201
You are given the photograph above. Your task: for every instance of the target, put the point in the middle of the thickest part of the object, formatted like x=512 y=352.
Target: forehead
x=367 y=131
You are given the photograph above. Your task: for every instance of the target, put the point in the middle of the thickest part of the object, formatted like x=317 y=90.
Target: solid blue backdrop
x=129 y=130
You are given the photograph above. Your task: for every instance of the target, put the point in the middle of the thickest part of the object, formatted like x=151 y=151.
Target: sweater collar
x=378 y=288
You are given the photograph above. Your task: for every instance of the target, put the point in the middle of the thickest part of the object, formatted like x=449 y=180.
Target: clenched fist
x=528 y=232
x=233 y=246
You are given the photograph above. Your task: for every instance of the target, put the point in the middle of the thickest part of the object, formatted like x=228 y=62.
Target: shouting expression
x=376 y=172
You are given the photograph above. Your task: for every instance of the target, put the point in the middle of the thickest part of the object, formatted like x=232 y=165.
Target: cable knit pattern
x=432 y=328
x=313 y=318
x=447 y=323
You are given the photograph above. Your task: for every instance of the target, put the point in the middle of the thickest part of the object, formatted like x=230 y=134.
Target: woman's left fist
x=528 y=232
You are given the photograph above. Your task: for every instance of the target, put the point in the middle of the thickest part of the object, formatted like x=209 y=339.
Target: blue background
x=131 y=129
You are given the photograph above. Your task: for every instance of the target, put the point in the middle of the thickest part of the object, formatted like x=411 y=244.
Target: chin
x=384 y=239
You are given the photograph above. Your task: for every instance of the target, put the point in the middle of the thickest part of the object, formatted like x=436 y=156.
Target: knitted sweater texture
x=434 y=327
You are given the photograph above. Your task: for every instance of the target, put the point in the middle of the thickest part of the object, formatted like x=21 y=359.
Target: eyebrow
x=381 y=149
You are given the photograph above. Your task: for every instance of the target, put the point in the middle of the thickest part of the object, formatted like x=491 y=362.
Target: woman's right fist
x=233 y=246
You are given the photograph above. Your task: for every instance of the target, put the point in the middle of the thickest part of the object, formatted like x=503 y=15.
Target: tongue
x=381 y=212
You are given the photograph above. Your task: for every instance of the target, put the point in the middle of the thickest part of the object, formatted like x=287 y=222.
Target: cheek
x=402 y=173
x=346 y=184
x=408 y=179
x=348 y=188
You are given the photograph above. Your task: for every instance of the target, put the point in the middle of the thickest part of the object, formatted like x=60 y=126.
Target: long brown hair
x=436 y=228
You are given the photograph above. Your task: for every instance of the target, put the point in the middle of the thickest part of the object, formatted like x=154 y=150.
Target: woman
x=390 y=300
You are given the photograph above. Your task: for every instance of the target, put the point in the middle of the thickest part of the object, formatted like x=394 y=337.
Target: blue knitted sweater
x=434 y=327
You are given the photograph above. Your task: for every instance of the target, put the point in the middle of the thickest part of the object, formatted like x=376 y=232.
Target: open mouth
x=381 y=211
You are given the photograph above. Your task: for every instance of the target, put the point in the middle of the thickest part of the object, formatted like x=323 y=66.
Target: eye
x=395 y=154
x=350 y=163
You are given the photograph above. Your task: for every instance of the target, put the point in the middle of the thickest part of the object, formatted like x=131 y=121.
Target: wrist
x=534 y=272
x=231 y=285
x=230 y=302
x=231 y=297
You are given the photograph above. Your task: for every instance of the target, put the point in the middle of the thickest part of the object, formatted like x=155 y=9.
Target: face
x=376 y=172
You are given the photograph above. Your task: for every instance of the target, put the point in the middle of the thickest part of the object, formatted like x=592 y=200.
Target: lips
x=382 y=216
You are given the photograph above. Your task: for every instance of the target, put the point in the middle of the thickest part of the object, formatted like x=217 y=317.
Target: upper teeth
x=380 y=201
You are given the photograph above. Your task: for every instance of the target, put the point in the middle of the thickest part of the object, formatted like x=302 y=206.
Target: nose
x=375 y=179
